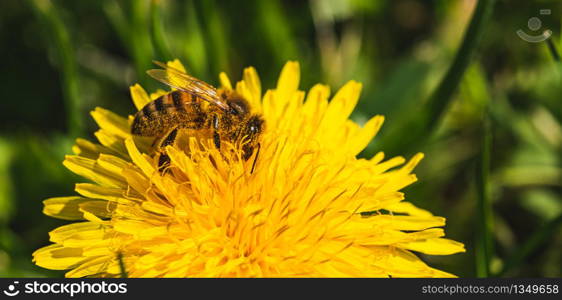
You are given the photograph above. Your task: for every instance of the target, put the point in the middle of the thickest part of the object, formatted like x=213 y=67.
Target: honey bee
x=217 y=114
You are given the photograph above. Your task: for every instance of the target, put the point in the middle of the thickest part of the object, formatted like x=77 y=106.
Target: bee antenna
x=159 y=63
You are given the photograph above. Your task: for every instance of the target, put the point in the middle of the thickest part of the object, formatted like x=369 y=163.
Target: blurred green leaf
x=538 y=148
x=421 y=125
x=215 y=35
x=393 y=98
x=6 y=184
x=57 y=31
x=543 y=202
x=276 y=28
x=139 y=31
x=553 y=51
x=398 y=90
x=194 y=47
x=117 y=18
x=158 y=33
x=132 y=23
x=540 y=236
x=530 y=175
x=484 y=240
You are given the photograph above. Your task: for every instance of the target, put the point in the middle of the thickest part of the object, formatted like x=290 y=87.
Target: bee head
x=254 y=126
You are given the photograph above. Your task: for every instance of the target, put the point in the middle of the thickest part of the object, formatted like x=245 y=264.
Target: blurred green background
x=484 y=106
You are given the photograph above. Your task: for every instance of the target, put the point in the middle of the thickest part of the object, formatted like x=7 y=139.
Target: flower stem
x=122 y=265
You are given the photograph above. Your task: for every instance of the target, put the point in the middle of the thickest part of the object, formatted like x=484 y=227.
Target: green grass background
x=452 y=78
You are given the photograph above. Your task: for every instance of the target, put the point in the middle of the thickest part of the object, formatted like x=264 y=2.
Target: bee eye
x=254 y=126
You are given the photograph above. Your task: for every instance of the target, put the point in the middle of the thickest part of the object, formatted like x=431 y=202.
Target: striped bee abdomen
x=174 y=109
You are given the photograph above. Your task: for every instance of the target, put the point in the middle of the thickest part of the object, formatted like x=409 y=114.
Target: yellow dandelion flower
x=300 y=213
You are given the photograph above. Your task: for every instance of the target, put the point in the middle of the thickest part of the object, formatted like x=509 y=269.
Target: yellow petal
x=407 y=222
x=88 y=149
x=65 y=232
x=92 y=170
x=57 y=257
x=288 y=83
x=225 y=82
x=101 y=192
x=139 y=159
x=159 y=93
x=388 y=164
x=252 y=81
x=316 y=101
x=99 y=249
x=112 y=142
x=66 y=208
x=111 y=122
x=408 y=208
x=377 y=158
x=91 y=217
x=112 y=163
x=401 y=263
x=414 y=161
x=99 y=209
x=83 y=238
x=438 y=246
x=136 y=228
x=362 y=138
x=139 y=95
x=342 y=105
x=176 y=64
x=92 y=266
x=289 y=77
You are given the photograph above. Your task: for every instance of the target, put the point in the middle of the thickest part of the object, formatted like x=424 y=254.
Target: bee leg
x=255 y=158
x=164 y=159
x=216 y=136
x=217 y=140
x=163 y=162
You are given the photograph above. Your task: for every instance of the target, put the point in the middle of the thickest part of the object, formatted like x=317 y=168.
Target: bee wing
x=183 y=82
